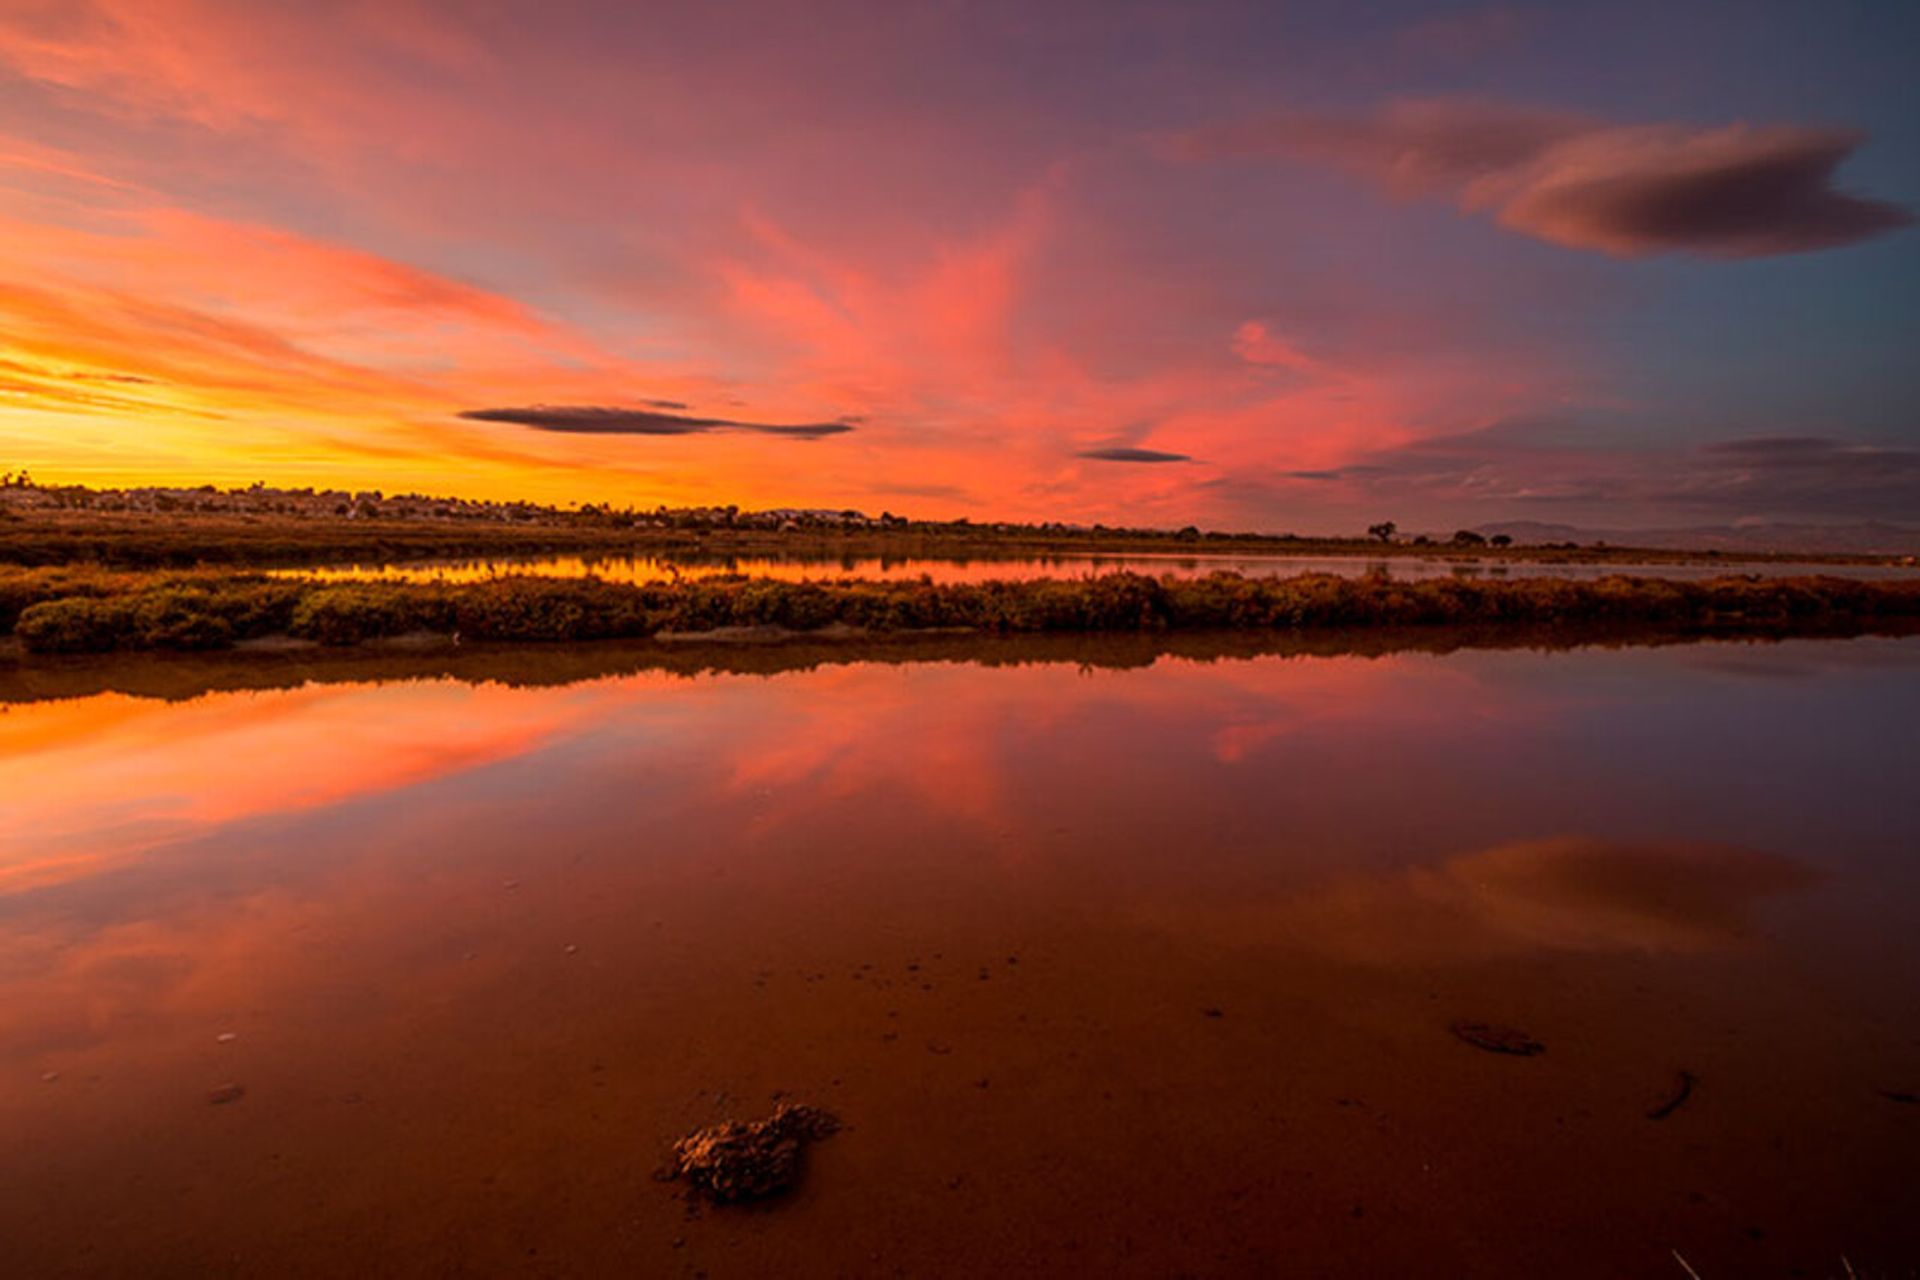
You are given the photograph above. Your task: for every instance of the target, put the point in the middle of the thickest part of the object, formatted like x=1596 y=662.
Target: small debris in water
x=1681 y=1092
x=226 y=1093
x=1211 y=1012
x=738 y=1161
x=1900 y=1095
x=48 y=1077
x=225 y=1037
x=1495 y=1039
x=571 y=948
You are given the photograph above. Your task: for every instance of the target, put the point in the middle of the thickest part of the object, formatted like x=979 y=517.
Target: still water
x=1139 y=969
x=642 y=569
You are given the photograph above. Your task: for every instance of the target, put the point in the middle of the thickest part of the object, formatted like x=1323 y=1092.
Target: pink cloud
x=1255 y=343
x=354 y=220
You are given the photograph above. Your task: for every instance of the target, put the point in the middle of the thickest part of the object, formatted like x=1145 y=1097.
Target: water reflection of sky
x=641 y=569
x=1272 y=771
x=450 y=892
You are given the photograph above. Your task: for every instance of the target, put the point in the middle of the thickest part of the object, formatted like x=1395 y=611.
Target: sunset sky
x=1280 y=266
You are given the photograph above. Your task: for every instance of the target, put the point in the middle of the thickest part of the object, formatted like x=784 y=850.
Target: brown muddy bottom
x=1148 y=970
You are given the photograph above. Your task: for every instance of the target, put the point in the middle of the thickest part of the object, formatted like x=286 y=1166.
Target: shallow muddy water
x=641 y=569
x=1144 y=969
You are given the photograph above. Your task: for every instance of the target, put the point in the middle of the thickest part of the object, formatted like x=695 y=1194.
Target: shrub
x=78 y=624
x=543 y=609
x=179 y=619
x=352 y=613
x=88 y=610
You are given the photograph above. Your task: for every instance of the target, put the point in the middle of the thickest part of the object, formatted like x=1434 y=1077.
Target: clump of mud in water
x=738 y=1161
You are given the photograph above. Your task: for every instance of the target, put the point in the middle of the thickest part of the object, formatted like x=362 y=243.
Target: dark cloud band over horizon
x=612 y=420
x=1129 y=453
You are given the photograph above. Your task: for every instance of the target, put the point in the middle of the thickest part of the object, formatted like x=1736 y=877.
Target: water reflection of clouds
x=1228 y=800
x=1565 y=892
x=93 y=781
x=961 y=569
x=964 y=743
x=1759 y=660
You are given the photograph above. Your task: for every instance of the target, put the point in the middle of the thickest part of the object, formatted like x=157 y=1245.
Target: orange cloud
x=320 y=233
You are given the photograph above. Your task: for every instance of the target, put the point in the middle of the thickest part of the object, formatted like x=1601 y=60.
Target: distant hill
x=1874 y=537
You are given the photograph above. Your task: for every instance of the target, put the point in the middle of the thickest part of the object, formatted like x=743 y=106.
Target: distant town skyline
x=1241 y=265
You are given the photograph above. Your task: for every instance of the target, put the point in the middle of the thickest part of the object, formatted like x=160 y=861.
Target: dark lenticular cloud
x=1630 y=190
x=606 y=420
x=1737 y=193
x=1127 y=453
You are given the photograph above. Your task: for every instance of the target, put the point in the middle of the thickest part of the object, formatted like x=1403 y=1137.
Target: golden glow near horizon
x=295 y=244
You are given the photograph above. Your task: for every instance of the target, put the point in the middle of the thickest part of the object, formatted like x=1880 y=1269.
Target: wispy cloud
x=613 y=421
x=1000 y=275
x=1797 y=474
x=1739 y=191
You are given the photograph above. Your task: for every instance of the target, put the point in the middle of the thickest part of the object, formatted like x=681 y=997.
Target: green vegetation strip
x=82 y=609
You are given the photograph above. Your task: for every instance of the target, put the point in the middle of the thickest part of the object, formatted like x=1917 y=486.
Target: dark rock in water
x=1494 y=1039
x=738 y=1161
x=226 y=1093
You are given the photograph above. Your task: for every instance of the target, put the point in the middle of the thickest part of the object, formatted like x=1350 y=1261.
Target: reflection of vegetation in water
x=82 y=610
x=172 y=674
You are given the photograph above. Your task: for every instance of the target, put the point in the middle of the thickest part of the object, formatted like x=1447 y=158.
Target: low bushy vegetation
x=81 y=610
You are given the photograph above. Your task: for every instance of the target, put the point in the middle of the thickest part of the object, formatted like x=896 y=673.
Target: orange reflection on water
x=98 y=779
x=481 y=951
x=93 y=781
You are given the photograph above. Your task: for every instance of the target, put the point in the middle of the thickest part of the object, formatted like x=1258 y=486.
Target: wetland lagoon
x=1111 y=955
x=861 y=640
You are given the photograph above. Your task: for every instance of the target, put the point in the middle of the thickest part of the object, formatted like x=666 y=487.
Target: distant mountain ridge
x=1873 y=537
